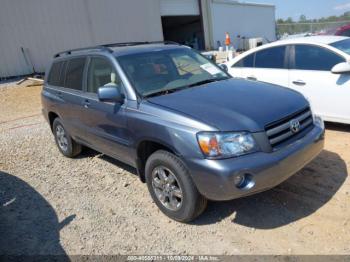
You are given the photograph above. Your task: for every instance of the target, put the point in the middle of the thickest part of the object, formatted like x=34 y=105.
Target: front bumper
x=215 y=178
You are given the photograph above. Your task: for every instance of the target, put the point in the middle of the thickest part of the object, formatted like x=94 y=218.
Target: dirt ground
x=93 y=204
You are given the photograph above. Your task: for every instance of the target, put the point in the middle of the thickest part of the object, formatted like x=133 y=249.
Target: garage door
x=179 y=7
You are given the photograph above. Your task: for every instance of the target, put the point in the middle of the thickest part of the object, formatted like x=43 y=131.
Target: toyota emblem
x=294 y=126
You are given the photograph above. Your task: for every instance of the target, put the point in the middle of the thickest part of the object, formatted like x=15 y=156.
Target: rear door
x=72 y=95
x=311 y=75
x=106 y=123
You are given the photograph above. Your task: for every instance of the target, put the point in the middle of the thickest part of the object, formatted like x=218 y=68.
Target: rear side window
x=56 y=74
x=248 y=61
x=309 y=57
x=74 y=73
x=271 y=58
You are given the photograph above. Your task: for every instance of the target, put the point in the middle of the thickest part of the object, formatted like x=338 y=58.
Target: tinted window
x=101 y=73
x=55 y=77
x=74 y=74
x=309 y=57
x=246 y=62
x=271 y=58
x=343 y=45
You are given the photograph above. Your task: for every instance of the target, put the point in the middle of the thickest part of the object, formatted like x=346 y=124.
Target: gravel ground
x=93 y=204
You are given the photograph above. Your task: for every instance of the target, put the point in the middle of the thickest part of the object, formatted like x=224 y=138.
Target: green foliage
x=305 y=25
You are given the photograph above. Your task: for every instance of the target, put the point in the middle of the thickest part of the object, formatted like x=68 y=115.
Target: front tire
x=67 y=146
x=171 y=187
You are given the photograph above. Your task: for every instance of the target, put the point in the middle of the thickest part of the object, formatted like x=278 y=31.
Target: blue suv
x=192 y=132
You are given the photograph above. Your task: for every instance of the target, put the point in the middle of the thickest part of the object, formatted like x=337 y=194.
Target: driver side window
x=102 y=73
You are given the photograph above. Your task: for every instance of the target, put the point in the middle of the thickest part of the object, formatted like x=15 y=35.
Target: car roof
x=321 y=39
x=119 y=49
x=317 y=40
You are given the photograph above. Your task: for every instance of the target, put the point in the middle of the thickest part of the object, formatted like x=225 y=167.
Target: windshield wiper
x=172 y=90
x=164 y=92
x=207 y=81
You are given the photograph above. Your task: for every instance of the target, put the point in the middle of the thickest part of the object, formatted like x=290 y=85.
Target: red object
x=343 y=31
x=228 y=39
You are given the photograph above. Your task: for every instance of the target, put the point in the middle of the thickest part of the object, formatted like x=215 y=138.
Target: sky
x=310 y=8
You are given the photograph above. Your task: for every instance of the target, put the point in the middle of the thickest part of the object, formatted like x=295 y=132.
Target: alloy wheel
x=167 y=188
x=61 y=138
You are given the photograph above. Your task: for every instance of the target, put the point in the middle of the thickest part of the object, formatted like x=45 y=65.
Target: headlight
x=225 y=145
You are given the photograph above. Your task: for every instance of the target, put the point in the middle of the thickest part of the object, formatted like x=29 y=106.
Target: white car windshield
x=161 y=72
x=343 y=45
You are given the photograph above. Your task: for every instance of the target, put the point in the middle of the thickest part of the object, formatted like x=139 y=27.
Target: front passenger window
x=101 y=73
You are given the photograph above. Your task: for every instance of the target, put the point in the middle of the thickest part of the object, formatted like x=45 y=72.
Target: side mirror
x=110 y=93
x=224 y=67
x=341 y=68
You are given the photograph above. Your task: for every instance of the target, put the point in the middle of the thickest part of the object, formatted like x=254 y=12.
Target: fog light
x=244 y=181
x=239 y=180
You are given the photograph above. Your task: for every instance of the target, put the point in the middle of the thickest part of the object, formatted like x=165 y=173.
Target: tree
x=302 y=19
x=289 y=20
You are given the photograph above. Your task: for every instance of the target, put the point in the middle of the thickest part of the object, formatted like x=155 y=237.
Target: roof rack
x=69 y=52
x=107 y=47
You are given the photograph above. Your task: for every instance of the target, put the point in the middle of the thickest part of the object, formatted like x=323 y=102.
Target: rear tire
x=176 y=195
x=67 y=146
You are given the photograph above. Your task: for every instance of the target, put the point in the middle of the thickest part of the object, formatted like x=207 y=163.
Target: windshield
x=343 y=45
x=166 y=71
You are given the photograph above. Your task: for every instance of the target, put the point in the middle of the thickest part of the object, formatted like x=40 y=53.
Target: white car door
x=311 y=75
x=243 y=68
x=267 y=65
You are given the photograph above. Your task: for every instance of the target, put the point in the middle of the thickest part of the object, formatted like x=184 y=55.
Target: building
x=31 y=32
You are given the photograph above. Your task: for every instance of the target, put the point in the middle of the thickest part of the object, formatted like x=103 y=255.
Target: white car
x=316 y=66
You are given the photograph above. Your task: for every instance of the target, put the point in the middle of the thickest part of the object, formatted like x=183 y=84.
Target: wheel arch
x=145 y=148
x=51 y=117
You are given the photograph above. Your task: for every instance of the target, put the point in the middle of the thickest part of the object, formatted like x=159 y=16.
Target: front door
x=106 y=122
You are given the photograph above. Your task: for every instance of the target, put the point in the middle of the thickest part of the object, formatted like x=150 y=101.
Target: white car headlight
x=225 y=145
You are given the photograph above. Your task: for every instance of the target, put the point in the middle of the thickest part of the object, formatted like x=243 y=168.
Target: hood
x=234 y=104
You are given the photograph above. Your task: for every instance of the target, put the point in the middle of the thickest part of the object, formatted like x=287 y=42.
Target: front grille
x=280 y=132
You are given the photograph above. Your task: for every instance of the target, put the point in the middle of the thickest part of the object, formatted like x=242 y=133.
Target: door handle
x=299 y=83
x=59 y=94
x=253 y=78
x=86 y=103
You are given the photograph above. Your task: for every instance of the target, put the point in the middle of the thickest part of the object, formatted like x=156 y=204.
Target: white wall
x=45 y=27
x=249 y=20
x=179 y=7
